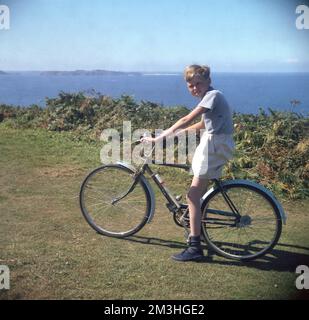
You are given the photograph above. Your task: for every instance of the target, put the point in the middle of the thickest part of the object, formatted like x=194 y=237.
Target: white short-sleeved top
x=218 y=114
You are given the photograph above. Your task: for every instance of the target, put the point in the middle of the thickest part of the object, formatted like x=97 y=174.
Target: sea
x=245 y=92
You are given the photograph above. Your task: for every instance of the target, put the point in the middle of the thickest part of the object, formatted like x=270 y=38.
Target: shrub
x=271 y=148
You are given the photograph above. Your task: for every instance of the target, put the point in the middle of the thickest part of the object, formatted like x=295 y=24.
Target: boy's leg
x=196 y=191
x=194 y=252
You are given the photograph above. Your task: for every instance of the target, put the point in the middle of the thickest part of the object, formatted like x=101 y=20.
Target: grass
x=52 y=253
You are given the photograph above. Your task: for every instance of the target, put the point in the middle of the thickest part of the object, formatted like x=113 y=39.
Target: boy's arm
x=197 y=126
x=179 y=125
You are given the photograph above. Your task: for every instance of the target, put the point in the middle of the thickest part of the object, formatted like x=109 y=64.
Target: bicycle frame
x=156 y=178
x=173 y=204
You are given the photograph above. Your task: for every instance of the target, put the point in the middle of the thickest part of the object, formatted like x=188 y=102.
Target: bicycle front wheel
x=112 y=203
x=245 y=237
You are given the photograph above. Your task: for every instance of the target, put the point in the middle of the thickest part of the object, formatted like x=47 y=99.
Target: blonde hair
x=197 y=70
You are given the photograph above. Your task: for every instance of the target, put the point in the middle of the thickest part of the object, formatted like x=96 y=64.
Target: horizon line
x=148 y=72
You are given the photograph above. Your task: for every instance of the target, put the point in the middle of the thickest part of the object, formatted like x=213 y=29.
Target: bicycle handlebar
x=146 y=157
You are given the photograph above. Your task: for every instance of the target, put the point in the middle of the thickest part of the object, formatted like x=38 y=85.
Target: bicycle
x=241 y=219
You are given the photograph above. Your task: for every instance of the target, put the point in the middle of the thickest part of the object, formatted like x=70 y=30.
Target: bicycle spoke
x=107 y=205
x=254 y=232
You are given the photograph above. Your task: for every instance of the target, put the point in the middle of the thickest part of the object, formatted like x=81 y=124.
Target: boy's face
x=198 y=86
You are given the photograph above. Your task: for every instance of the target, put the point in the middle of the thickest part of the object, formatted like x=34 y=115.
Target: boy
x=215 y=148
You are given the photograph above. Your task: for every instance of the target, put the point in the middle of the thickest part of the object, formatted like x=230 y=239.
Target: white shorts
x=211 y=155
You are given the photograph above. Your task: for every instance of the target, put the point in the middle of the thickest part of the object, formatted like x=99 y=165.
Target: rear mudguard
x=147 y=185
x=206 y=196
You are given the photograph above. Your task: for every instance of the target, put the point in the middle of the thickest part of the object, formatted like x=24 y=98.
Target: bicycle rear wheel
x=247 y=237
x=107 y=204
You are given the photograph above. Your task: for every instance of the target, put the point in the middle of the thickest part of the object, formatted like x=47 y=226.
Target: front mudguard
x=148 y=187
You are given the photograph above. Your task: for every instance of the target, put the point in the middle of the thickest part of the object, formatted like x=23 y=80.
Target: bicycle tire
x=122 y=218
x=254 y=235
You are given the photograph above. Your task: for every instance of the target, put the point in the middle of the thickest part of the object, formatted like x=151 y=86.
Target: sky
x=154 y=35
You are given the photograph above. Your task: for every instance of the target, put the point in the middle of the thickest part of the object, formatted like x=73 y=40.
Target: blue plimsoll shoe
x=190 y=254
x=193 y=253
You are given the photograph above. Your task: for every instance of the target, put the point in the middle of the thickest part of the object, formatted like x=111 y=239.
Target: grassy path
x=53 y=254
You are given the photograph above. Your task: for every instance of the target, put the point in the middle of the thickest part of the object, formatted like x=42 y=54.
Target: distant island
x=89 y=73
x=2 y=72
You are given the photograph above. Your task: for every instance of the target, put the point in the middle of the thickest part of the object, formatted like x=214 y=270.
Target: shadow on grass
x=285 y=259
x=156 y=242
